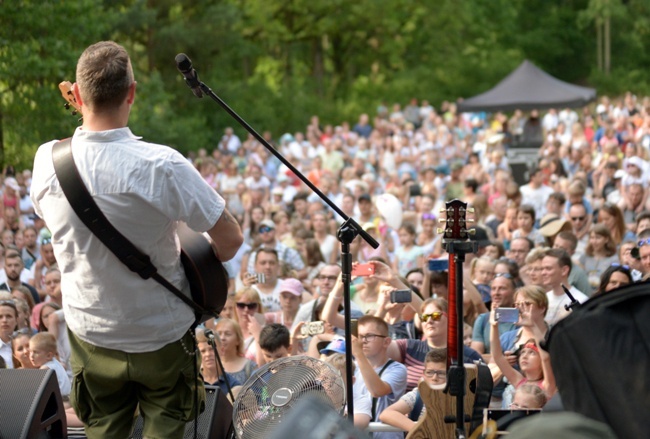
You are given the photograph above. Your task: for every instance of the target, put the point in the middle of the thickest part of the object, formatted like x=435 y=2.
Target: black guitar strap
x=374 y=400
x=91 y=215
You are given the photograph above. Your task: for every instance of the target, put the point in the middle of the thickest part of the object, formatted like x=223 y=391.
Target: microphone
x=209 y=334
x=184 y=65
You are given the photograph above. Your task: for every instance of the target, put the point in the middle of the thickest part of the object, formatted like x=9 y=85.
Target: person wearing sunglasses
x=433 y=315
x=580 y=222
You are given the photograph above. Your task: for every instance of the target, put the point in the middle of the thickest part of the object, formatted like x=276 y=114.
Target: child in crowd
x=528 y=396
x=407 y=255
x=482 y=273
x=506 y=229
x=42 y=353
x=275 y=342
x=409 y=408
x=525 y=224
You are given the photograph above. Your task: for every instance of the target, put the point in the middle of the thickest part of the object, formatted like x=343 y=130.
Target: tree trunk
x=608 y=44
x=318 y=69
x=2 y=142
x=599 y=45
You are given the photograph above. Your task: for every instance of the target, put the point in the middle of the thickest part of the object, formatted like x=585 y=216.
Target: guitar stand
x=346 y=234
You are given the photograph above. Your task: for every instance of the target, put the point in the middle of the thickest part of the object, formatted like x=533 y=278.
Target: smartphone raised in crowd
x=400 y=296
x=354 y=327
x=506 y=315
x=363 y=270
x=312 y=328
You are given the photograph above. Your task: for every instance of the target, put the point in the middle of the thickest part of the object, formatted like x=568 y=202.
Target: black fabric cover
x=526 y=88
x=601 y=360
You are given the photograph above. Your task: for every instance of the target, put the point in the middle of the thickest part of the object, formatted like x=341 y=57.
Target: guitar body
x=206 y=275
x=435 y=425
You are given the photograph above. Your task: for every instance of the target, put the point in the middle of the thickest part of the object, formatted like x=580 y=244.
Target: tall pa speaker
x=31 y=405
x=214 y=423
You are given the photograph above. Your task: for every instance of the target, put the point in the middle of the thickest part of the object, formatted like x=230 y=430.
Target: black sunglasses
x=250 y=306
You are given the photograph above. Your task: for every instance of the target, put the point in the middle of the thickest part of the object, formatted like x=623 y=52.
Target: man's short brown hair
x=104 y=75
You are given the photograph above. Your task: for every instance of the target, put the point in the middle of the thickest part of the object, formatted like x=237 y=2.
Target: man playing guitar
x=130 y=338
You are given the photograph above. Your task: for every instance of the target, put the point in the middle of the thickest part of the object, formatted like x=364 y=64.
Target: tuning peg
x=471 y=232
x=440 y=231
x=470 y=209
x=469 y=220
x=443 y=210
x=442 y=220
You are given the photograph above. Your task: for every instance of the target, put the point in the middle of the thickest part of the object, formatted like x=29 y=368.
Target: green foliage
x=277 y=62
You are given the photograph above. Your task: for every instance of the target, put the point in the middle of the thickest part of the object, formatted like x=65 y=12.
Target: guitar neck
x=452 y=313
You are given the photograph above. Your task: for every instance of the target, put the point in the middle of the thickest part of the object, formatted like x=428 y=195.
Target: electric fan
x=266 y=399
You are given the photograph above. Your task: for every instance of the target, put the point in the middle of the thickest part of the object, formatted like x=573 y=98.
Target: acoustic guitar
x=206 y=275
x=440 y=419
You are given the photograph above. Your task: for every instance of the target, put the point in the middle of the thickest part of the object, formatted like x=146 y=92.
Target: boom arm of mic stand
x=365 y=235
x=346 y=234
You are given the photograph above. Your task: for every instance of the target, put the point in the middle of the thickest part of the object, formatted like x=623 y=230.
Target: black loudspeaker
x=31 y=405
x=214 y=423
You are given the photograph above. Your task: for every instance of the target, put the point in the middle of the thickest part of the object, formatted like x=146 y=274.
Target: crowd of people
x=582 y=221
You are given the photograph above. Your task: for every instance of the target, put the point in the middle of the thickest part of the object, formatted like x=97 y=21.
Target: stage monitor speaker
x=214 y=423
x=31 y=405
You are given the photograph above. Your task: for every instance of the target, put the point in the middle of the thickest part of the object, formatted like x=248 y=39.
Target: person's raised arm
x=550 y=387
x=330 y=312
x=226 y=236
x=497 y=353
x=397 y=416
x=375 y=385
x=384 y=273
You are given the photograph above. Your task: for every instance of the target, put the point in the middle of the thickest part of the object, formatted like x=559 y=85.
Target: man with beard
x=30 y=250
x=13 y=268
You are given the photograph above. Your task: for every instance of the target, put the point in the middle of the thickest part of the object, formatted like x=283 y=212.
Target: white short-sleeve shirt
x=144 y=190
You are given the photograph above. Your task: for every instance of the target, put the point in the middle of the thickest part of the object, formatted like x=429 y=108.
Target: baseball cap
x=291 y=285
x=268 y=223
x=336 y=346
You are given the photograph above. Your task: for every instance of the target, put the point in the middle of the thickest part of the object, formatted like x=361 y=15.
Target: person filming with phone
x=534 y=362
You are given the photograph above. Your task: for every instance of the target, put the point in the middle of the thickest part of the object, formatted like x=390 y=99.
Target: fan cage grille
x=255 y=411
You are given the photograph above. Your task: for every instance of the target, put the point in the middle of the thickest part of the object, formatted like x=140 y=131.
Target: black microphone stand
x=573 y=303
x=209 y=334
x=346 y=233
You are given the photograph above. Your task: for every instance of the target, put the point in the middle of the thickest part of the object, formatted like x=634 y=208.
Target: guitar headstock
x=456 y=222
x=66 y=91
